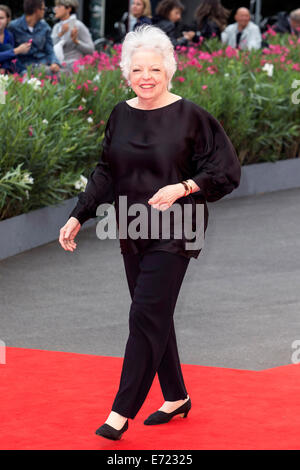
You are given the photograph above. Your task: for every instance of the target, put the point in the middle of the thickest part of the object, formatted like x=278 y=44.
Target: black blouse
x=145 y=150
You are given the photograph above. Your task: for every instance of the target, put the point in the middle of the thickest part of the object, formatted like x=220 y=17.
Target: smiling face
x=137 y=8
x=3 y=20
x=147 y=75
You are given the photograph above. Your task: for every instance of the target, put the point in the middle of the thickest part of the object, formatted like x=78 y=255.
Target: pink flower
x=231 y=52
x=80 y=108
x=78 y=87
x=95 y=88
x=30 y=131
x=90 y=112
x=181 y=79
x=204 y=87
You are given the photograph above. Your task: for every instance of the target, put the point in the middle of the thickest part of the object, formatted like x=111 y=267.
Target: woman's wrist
x=181 y=190
x=187 y=187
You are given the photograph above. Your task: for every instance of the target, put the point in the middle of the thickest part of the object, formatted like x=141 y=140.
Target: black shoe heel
x=111 y=433
x=160 y=417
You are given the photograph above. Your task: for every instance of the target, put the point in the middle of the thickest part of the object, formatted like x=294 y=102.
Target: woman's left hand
x=74 y=35
x=166 y=196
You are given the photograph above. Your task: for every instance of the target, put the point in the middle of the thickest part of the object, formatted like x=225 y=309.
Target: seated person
x=71 y=38
x=32 y=28
x=167 y=16
x=8 y=52
x=210 y=20
x=140 y=13
x=288 y=22
x=244 y=34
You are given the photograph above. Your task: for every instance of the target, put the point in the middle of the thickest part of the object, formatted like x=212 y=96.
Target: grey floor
x=239 y=305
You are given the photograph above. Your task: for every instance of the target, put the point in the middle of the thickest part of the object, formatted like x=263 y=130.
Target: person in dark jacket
x=167 y=17
x=8 y=51
x=210 y=20
x=31 y=27
x=288 y=22
x=141 y=11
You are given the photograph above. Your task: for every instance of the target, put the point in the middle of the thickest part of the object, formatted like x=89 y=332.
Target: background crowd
x=30 y=41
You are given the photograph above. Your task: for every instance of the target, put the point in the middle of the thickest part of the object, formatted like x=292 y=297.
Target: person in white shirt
x=71 y=38
x=244 y=34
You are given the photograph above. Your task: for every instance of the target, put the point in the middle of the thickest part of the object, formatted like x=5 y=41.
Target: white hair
x=148 y=37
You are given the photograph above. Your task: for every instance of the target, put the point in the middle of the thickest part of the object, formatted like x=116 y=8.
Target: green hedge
x=51 y=131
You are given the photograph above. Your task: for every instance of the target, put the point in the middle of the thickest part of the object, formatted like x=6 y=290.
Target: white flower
x=97 y=77
x=44 y=121
x=269 y=68
x=226 y=75
x=81 y=183
x=27 y=178
x=83 y=99
x=90 y=119
x=4 y=78
x=27 y=193
x=35 y=83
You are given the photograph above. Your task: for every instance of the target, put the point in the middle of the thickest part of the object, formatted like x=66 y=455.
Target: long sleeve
x=49 y=51
x=7 y=48
x=217 y=169
x=7 y=55
x=54 y=34
x=224 y=36
x=99 y=188
x=254 y=41
x=85 y=42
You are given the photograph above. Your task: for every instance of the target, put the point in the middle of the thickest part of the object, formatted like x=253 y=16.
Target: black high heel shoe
x=160 y=417
x=111 y=433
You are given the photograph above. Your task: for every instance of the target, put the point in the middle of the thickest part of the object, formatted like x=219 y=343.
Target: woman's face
x=148 y=76
x=137 y=8
x=175 y=15
x=61 y=12
x=3 y=20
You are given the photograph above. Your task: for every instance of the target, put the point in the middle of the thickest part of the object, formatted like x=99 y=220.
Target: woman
x=71 y=38
x=8 y=52
x=141 y=11
x=145 y=163
x=210 y=20
x=167 y=17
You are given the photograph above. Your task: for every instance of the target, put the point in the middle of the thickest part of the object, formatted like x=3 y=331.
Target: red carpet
x=56 y=400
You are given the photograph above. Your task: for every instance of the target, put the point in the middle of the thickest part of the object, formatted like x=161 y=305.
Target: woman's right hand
x=68 y=232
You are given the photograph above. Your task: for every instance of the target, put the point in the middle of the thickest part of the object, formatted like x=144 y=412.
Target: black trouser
x=154 y=281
